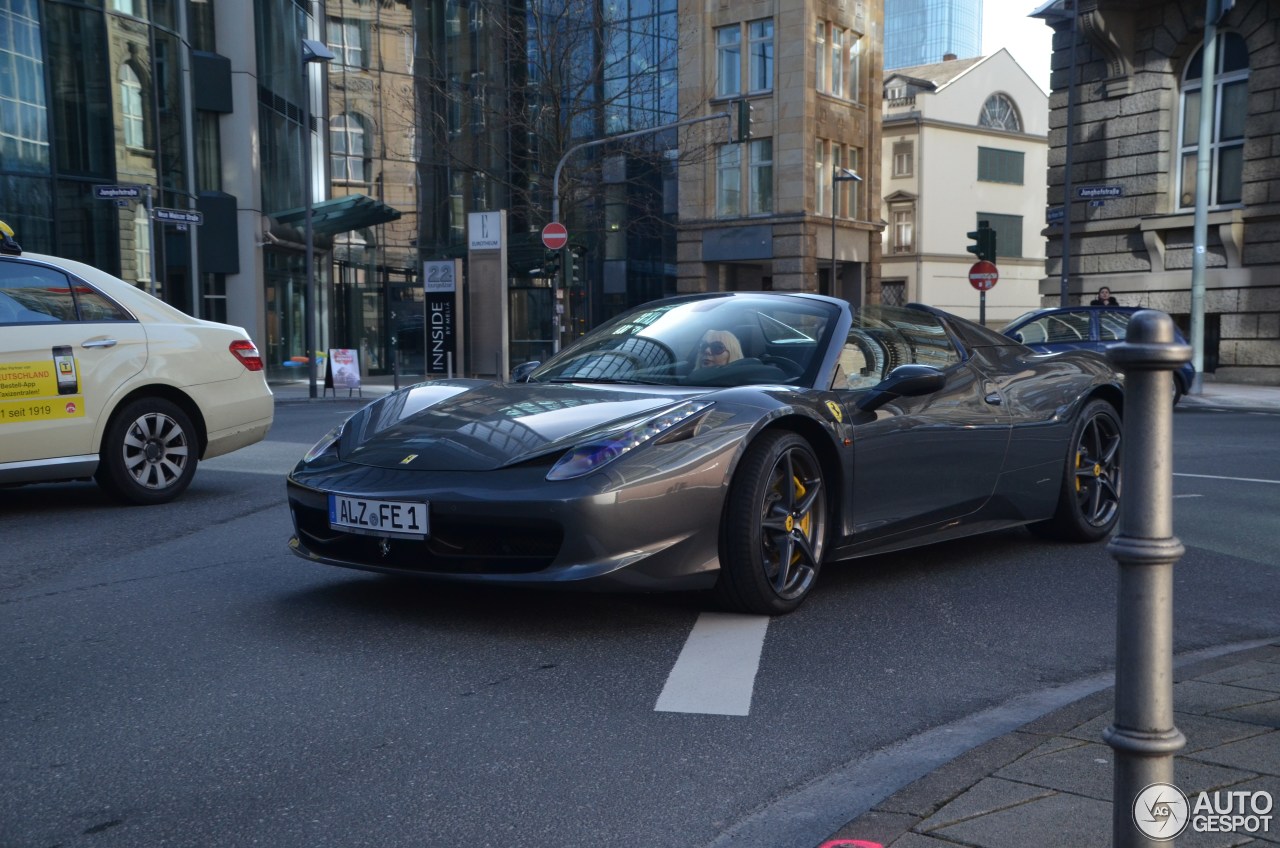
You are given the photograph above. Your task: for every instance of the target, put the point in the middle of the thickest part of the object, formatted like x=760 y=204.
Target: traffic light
x=550 y=264
x=745 y=112
x=984 y=242
x=577 y=261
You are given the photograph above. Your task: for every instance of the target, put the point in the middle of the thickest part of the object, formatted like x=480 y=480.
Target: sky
x=1029 y=40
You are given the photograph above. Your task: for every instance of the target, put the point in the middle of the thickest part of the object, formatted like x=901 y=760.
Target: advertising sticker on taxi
x=378 y=518
x=40 y=391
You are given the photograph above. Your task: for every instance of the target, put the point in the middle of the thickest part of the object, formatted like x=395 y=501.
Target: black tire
x=1089 y=502
x=149 y=452
x=1178 y=391
x=774 y=528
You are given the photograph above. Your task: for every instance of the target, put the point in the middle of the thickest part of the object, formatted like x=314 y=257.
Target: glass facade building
x=427 y=112
x=922 y=32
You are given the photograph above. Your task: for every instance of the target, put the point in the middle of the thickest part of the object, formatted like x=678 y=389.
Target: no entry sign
x=983 y=275
x=554 y=236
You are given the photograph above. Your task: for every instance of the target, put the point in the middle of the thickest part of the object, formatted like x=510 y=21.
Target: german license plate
x=377 y=517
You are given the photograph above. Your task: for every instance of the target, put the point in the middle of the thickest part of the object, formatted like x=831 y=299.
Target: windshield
x=725 y=340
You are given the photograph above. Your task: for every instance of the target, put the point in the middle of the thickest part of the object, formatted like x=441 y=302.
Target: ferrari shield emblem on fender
x=408 y=459
x=836 y=413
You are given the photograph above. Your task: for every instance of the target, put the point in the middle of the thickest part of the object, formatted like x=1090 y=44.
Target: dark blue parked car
x=1088 y=327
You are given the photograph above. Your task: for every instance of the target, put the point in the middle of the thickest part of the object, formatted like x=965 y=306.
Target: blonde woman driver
x=718 y=347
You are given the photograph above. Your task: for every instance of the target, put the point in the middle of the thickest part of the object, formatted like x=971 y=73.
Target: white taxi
x=100 y=379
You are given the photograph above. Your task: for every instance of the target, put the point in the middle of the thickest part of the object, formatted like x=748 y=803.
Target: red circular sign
x=983 y=275
x=555 y=236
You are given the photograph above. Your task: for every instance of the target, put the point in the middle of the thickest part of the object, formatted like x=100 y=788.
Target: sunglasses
x=715 y=348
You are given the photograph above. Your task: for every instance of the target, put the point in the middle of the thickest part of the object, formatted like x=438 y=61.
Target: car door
x=65 y=350
x=918 y=461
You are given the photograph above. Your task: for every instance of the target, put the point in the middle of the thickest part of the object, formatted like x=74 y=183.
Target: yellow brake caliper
x=805 y=521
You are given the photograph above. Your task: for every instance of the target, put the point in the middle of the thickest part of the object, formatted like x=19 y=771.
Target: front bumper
x=659 y=531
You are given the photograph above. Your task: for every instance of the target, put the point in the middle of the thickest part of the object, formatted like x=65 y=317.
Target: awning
x=340 y=215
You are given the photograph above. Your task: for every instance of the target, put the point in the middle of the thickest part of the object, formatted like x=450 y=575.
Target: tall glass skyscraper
x=921 y=32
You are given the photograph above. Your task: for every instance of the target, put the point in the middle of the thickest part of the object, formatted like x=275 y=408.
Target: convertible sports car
x=732 y=441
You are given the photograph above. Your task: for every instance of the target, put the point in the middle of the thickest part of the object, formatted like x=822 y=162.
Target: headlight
x=591 y=456
x=327 y=441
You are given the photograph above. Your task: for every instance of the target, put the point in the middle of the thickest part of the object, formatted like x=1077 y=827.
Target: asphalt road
x=173 y=676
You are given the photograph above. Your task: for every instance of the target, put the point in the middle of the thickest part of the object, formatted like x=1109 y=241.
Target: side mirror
x=903 y=381
x=520 y=374
x=1017 y=336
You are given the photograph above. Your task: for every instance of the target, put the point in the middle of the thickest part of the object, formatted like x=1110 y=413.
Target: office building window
x=904 y=230
x=759 y=58
x=131 y=115
x=24 y=120
x=346 y=40
x=903 y=158
x=760 y=54
x=1008 y=233
x=853 y=200
x=728 y=61
x=838 y=61
x=348 y=160
x=820 y=56
x=854 y=88
x=760 y=201
x=893 y=292
x=821 y=179
x=999 y=113
x=1000 y=166
x=142 y=244
x=729 y=181
x=1231 y=92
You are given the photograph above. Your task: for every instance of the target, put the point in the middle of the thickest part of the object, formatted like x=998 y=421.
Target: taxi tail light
x=247 y=352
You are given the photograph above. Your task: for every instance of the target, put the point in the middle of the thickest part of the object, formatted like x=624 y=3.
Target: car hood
x=471 y=425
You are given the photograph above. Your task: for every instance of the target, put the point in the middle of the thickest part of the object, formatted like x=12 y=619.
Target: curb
x=899 y=814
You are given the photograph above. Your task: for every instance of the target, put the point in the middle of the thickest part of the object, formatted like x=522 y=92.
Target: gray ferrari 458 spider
x=734 y=442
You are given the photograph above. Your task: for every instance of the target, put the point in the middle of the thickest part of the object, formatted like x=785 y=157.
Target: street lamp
x=841 y=175
x=312 y=51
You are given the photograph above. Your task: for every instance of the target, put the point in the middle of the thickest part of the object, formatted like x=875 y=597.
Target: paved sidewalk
x=1049 y=783
x=1233 y=396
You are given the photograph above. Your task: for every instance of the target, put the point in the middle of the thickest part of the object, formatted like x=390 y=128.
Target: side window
x=1057 y=329
x=1112 y=326
x=30 y=294
x=95 y=306
x=877 y=346
x=928 y=343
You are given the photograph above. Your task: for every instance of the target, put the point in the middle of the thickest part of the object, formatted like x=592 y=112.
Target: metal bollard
x=1142 y=734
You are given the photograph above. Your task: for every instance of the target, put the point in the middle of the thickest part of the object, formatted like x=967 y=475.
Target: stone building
x=779 y=209
x=965 y=141
x=1134 y=137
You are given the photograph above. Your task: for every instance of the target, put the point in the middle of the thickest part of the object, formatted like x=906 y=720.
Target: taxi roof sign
x=7 y=244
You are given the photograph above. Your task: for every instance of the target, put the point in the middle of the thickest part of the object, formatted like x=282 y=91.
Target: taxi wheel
x=149 y=453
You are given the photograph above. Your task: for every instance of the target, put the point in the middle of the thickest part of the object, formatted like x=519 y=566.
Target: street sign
x=1054 y=215
x=555 y=236
x=983 y=275
x=1103 y=191
x=115 y=192
x=177 y=216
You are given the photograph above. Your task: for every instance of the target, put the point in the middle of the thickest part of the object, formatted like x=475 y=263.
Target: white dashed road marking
x=716 y=671
x=1233 y=479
